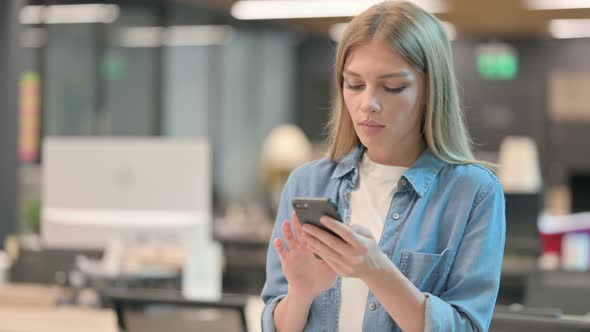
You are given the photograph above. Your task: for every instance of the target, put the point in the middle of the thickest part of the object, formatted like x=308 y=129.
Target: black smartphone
x=310 y=209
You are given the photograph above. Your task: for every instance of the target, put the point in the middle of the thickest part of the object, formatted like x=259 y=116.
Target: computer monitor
x=580 y=188
x=95 y=189
x=522 y=213
x=158 y=310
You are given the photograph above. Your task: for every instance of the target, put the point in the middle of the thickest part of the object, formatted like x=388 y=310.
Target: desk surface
x=56 y=319
x=30 y=308
x=28 y=295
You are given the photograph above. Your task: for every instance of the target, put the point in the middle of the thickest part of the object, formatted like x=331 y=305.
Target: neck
x=403 y=154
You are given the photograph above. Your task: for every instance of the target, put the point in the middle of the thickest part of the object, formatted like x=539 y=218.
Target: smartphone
x=310 y=209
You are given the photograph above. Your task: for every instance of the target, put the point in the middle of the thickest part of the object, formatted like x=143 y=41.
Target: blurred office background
x=254 y=87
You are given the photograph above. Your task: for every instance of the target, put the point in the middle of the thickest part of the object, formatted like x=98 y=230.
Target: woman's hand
x=354 y=254
x=306 y=275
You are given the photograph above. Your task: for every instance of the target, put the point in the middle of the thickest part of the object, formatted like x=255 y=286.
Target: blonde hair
x=419 y=38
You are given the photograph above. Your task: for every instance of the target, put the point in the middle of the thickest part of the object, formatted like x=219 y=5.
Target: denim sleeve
x=472 y=288
x=275 y=287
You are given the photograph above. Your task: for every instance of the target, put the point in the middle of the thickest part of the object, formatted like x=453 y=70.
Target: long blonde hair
x=419 y=38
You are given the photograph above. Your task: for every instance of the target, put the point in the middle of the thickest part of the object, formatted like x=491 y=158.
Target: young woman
x=422 y=241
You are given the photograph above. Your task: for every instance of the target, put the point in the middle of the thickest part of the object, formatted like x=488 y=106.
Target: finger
x=334 y=265
x=297 y=225
x=342 y=230
x=328 y=239
x=321 y=248
x=288 y=234
x=337 y=267
x=280 y=248
x=361 y=230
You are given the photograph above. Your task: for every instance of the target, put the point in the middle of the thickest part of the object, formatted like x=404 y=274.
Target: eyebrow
x=403 y=73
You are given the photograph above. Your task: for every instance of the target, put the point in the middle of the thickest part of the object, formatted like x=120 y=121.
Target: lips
x=371 y=123
x=370 y=128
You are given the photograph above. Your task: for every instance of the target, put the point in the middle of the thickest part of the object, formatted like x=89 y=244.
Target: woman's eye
x=395 y=90
x=353 y=87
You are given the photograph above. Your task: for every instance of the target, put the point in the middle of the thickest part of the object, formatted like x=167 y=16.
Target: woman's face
x=384 y=96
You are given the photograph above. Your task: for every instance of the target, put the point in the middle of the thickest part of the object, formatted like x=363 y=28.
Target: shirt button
x=372 y=306
x=395 y=216
x=404 y=182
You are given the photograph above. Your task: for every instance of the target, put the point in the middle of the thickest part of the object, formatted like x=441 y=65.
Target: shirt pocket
x=428 y=272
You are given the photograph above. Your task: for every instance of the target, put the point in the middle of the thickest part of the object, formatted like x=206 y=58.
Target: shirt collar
x=420 y=175
x=423 y=172
x=349 y=163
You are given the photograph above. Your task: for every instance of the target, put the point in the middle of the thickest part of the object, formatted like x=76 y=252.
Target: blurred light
x=184 y=35
x=114 y=67
x=140 y=37
x=570 y=28
x=67 y=14
x=337 y=30
x=33 y=37
x=198 y=35
x=289 y=9
x=31 y=14
x=29 y=116
x=450 y=30
x=497 y=61
x=556 y=4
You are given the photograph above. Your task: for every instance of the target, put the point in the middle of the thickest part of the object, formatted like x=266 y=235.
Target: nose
x=376 y=105
x=371 y=104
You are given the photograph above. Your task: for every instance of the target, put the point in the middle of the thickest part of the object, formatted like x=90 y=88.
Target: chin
x=367 y=141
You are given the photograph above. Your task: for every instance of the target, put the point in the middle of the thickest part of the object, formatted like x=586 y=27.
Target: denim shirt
x=445 y=231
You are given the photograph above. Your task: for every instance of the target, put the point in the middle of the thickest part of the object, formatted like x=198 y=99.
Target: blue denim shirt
x=445 y=231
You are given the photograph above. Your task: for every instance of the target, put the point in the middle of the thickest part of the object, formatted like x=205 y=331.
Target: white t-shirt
x=369 y=202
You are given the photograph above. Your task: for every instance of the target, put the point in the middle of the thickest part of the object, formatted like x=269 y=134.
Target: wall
x=9 y=55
